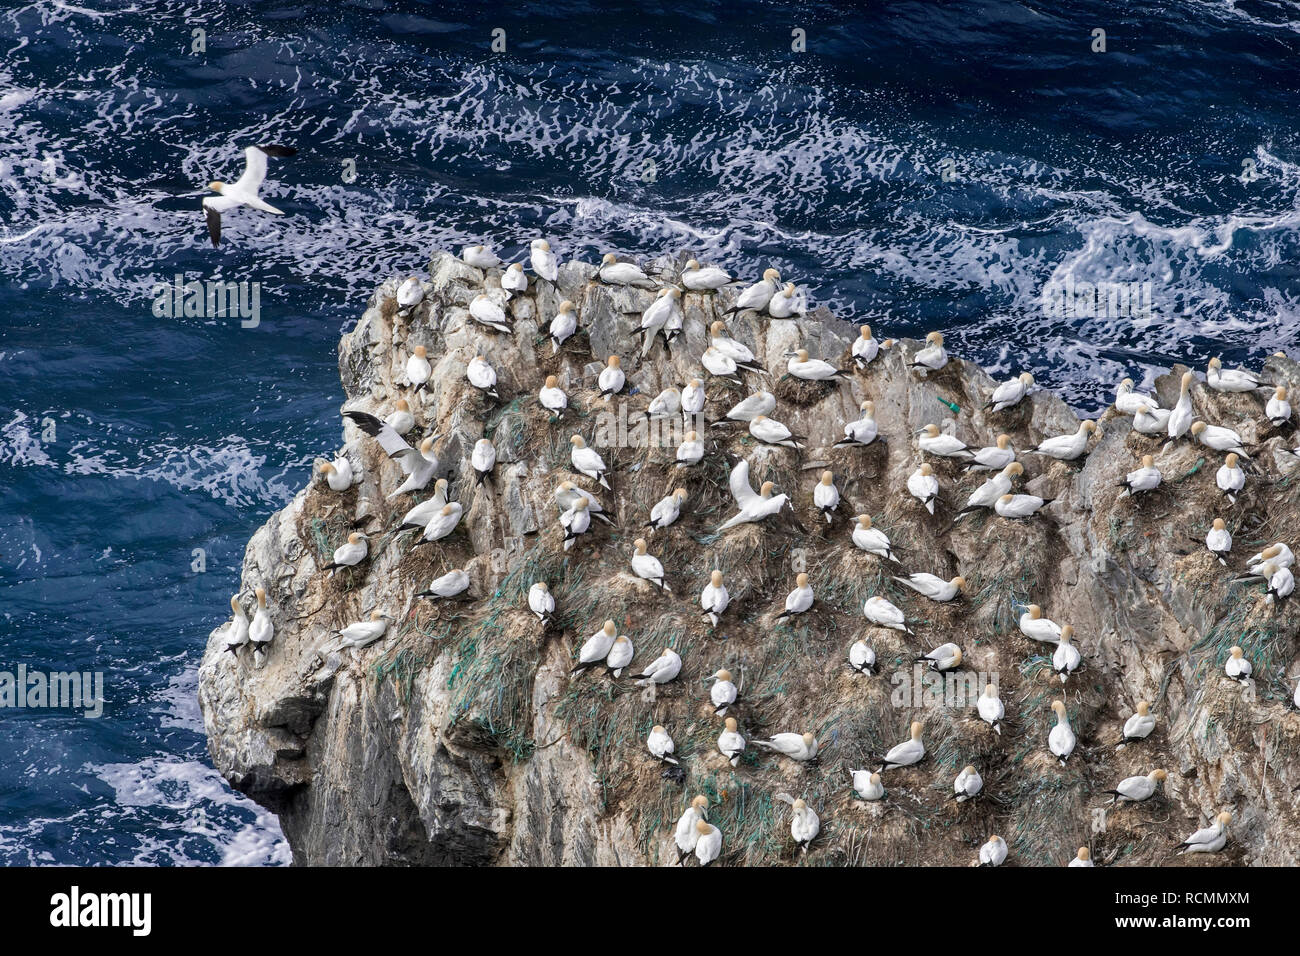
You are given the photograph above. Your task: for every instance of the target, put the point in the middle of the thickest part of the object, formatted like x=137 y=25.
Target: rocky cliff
x=460 y=738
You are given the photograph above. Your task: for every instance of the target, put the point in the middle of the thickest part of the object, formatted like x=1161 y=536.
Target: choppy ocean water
x=917 y=165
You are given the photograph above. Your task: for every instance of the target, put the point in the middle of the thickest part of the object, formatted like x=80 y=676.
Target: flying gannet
x=906 y=754
x=1010 y=393
x=730 y=744
x=660 y=670
x=879 y=611
x=244 y=190
x=588 y=461
x=722 y=693
x=714 y=598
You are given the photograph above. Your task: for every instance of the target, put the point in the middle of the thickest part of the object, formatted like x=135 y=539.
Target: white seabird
x=620 y=655
x=613 y=272
x=923 y=486
x=611 y=378
x=685 y=835
x=1083 y=859
x=862 y=431
x=1277 y=409
x=709 y=845
x=933 y=356
x=486 y=312
x=596 y=648
x=738 y=352
x=449 y=585
x=909 y=752
x=753 y=507
x=693 y=398
x=987 y=494
x=714 y=598
x=665 y=405
x=575 y=521
x=666 y=510
x=350 y=553
x=690 y=451
x=400 y=419
x=811 y=369
x=338 y=473
x=1010 y=393
x=543 y=260
x=657 y=315
x=244 y=190
x=826 y=497
x=647 y=566
x=1137 y=789
x=1209 y=839
x=1017 y=507
x=409 y=294
x=758 y=295
x=1038 y=628
x=804 y=824
x=862 y=658
x=660 y=670
x=1180 y=416
x=879 y=611
x=1067 y=447
x=541 y=601
x=751 y=406
x=800 y=599
x=418 y=516
x=993 y=457
x=1066 y=658
x=933 y=587
x=563 y=326
x=990 y=708
x=1231 y=380
x=771 y=432
x=865 y=348
x=968 y=785
x=723 y=692
x=552 y=397
x=1277 y=554
x=1061 y=739
x=934 y=442
x=480 y=373
x=363 y=633
x=441 y=524
x=237 y=631
x=660 y=744
x=706 y=279
x=730 y=743
x=480 y=257
x=1129 y=401
x=1144 y=479
x=261 y=631
x=1219 y=438
x=867 y=785
x=945 y=657
x=1230 y=479
x=786 y=302
x=994 y=852
x=513 y=280
x=1139 y=725
x=720 y=365
x=1148 y=420
x=566 y=493
x=588 y=461
x=801 y=747
x=418 y=368
x=870 y=539
x=483 y=458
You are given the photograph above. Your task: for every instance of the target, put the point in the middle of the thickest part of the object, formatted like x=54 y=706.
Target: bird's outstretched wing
x=740 y=487
x=392 y=443
x=213 y=207
x=255 y=166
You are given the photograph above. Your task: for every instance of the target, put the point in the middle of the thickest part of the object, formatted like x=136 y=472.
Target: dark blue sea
x=918 y=165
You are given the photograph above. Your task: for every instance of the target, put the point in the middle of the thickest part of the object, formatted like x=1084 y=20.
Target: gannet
x=1180 y=416
x=655 y=317
x=648 y=566
x=693 y=398
x=1139 y=725
x=730 y=744
x=909 y=752
x=441 y=524
x=987 y=494
x=801 y=747
x=862 y=657
x=771 y=432
x=338 y=473
x=785 y=302
x=933 y=356
x=660 y=744
x=596 y=648
x=736 y=351
x=588 y=461
x=804 y=825
x=723 y=366
x=867 y=785
x=1129 y=401
x=686 y=836
x=826 y=497
x=543 y=260
x=660 y=670
x=1209 y=839
x=575 y=521
x=759 y=403
x=541 y=601
x=1277 y=409
x=1066 y=658
x=1010 y=393
x=552 y=397
x=753 y=507
x=620 y=655
x=409 y=294
x=1083 y=859
x=1231 y=380
x=934 y=442
x=714 y=598
x=1067 y=447
x=1144 y=479
x=872 y=540
x=419 y=465
x=563 y=326
x=261 y=631
x=350 y=553
x=667 y=510
x=811 y=369
x=923 y=486
x=673 y=327
x=945 y=657
x=1151 y=421
x=935 y=588
x=1137 y=789
x=237 y=631
x=449 y=585
x=400 y=419
x=486 y=312
x=1277 y=554
x=1016 y=507
x=363 y=633
x=613 y=272
x=420 y=514
x=690 y=451
x=244 y=190
x=1280 y=581
x=863 y=431
x=877 y=610
x=990 y=708
x=994 y=852
x=566 y=493
x=665 y=405
x=800 y=599
x=1230 y=478
x=993 y=457
x=482 y=376
x=1061 y=739
x=865 y=348
x=968 y=785
x=1219 y=438
x=611 y=378
x=418 y=368
x=722 y=693
x=709 y=279
x=709 y=845
x=483 y=459
x=513 y=280
x=1038 y=628
x=480 y=257
x=758 y=295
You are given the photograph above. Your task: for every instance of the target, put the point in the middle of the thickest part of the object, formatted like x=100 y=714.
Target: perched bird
x=400 y=419
x=243 y=191
x=419 y=515
x=338 y=473
x=449 y=585
x=543 y=260
x=237 y=631
x=1230 y=478
x=863 y=431
x=968 y=785
x=660 y=670
x=994 y=852
x=933 y=356
x=749 y=408
x=483 y=459
x=596 y=648
x=800 y=599
x=611 y=378
x=865 y=348
x=659 y=315
x=613 y=272
x=738 y=352
x=261 y=631
x=990 y=708
x=667 y=510
x=685 y=835
x=906 y=754
x=1277 y=554
x=541 y=602
x=486 y=312
x=693 y=399
x=620 y=655
x=1277 y=409
x=588 y=461
x=714 y=598
x=1129 y=401
x=800 y=747
x=513 y=280
x=482 y=376
x=1067 y=447
x=987 y=494
x=879 y=611
x=1230 y=380
x=862 y=657
x=1279 y=579
x=804 y=825
x=1209 y=839
x=1083 y=859
x=771 y=432
x=666 y=404
x=871 y=539
x=690 y=451
x=934 y=442
x=1219 y=438
x=935 y=588
x=826 y=497
x=1061 y=739
x=709 y=845
x=867 y=785
x=1038 y=628
x=730 y=743
x=786 y=302
x=722 y=693
x=409 y=294
x=1010 y=393
x=1149 y=420
x=350 y=553
x=1139 y=725
x=660 y=744
x=363 y=633
x=566 y=493
x=811 y=369
x=945 y=657
x=418 y=368
x=648 y=566
x=697 y=279
x=576 y=521
x=552 y=396
x=1144 y=479
x=1137 y=789
x=1066 y=658
x=753 y=507
x=563 y=326
x=1180 y=416
x=441 y=524
x=720 y=365
x=993 y=457
x=1017 y=507
x=923 y=486
x=758 y=295
x=480 y=257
